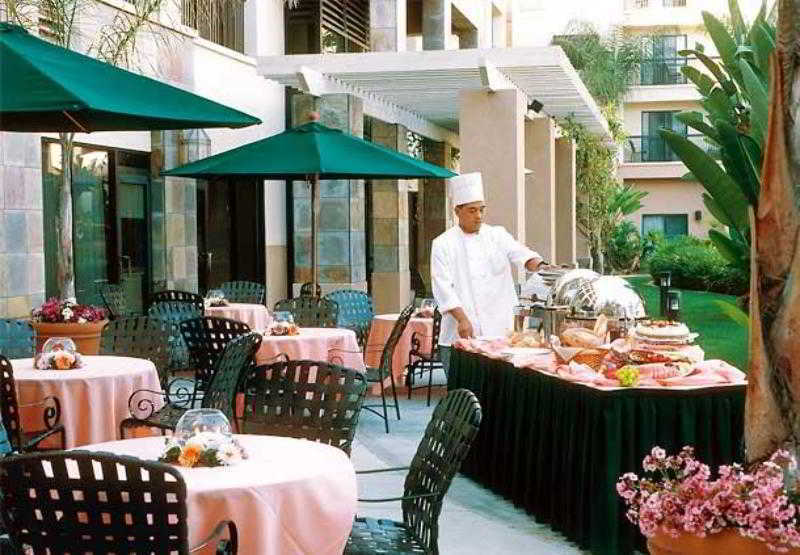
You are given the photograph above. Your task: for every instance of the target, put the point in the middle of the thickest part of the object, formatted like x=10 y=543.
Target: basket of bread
x=582 y=345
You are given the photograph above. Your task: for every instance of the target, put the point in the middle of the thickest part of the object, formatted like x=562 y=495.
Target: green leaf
x=719 y=105
x=754 y=158
x=689 y=176
x=737 y=20
x=733 y=312
x=725 y=44
x=703 y=82
x=763 y=45
x=715 y=210
x=735 y=161
x=719 y=184
x=695 y=120
x=757 y=95
x=726 y=246
x=715 y=70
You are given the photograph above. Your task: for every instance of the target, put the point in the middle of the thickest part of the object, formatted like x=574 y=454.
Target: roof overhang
x=422 y=88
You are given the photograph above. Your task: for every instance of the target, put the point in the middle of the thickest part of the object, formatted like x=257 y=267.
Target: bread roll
x=580 y=337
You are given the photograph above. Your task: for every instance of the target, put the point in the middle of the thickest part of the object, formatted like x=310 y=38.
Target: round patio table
x=290 y=496
x=254 y=315
x=336 y=345
x=94 y=398
x=382 y=325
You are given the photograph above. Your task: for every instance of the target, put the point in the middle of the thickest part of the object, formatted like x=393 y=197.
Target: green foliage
x=651 y=242
x=625 y=247
x=697 y=264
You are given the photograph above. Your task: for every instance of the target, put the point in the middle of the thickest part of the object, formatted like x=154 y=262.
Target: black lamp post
x=674 y=305
x=664 y=281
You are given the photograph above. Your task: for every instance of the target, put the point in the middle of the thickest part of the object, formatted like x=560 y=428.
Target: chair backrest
x=304 y=399
x=446 y=442
x=206 y=338
x=180 y=297
x=5 y=447
x=114 y=298
x=394 y=337
x=82 y=501
x=311 y=312
x=17 y=338
x=356 y=311
x=243 y=292
x=306 y=290
x=9 y=407
x=141 y=337
x=437 y=329
x=229 y=372
x=175 y=311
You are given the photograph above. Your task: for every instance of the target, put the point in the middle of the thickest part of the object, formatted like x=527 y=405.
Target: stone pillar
x=434 y=206
x=565 y=202
x=174 y=245
x=391 y=282
x=540 y=186
x=22 y=266
x=493 y=143
x=387 y=20
x=437 y=22
x=341 y=240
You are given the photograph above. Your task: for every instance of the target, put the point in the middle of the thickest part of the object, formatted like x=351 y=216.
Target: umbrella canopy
x=311 y=151
x=308 y=150
x=47 y=88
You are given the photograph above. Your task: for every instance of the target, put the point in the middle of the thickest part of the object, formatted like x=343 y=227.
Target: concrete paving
x=473 y=519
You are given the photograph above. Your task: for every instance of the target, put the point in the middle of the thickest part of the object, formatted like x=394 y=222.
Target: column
x=341 y=240
x=434 y=205
x=437 y=23
x=391 y=282
x=566 y=243
x=540 y=186
x=387 y=20
x=493 y=143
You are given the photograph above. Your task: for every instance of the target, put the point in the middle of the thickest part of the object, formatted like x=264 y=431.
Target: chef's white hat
x=466 y=188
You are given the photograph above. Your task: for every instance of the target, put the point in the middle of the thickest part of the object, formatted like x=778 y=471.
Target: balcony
x=660 y=71
x=642 y=4
x=220 y=21
x=641 y=149
x=657 y=13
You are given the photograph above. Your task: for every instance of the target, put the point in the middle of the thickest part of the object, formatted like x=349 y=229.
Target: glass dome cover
x=567 y=286
x=202 y=421
x=55 y=344
x=608 y=295
x=215 y=294
x=283 y=316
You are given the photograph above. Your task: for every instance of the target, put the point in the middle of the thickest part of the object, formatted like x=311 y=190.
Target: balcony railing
x=220 y=21
x=661 y=71
x=641 y=4
x=652 y=148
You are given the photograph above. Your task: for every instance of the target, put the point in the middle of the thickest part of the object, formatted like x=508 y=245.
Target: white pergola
x=421 y=89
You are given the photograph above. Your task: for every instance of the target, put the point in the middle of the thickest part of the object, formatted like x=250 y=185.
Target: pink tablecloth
x=94 y=399
x=324 y=344
x=289 y=497
x=379 y=333
x=254 y=315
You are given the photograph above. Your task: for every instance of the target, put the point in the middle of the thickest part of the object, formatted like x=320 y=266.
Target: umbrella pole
x=314 y=223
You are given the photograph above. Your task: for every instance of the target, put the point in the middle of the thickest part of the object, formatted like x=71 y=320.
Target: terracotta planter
x=86 y=336
x=727 y=542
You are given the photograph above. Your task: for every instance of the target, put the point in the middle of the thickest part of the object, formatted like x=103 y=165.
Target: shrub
x=625 y=247
x=697 y=264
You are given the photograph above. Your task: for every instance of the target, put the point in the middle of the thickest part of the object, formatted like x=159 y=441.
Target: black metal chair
x=27 y=440
x=355 y=312
x=421 y=360
x=92 y=502
x=304 y=399
x=306 y=290
x=418 y=284
x=175 y=296
x=229 y=370
x=447 y=440
x=141 y=337
x=17 y=338
x=311 y=312
x=206 y=338
x=176 y=312
x=115 y=301
x=243 y=292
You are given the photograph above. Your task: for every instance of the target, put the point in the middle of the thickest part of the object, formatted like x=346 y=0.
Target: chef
x=471 y=269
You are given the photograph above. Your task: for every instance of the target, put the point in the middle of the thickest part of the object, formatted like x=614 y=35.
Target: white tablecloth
x=335 y=345
x=254 y=315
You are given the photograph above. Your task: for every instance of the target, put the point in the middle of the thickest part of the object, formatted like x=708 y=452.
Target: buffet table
x=556 y=448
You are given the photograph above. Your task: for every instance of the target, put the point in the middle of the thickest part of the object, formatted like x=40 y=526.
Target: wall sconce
x=698 y=215
x=536 y=106
x=193 y=145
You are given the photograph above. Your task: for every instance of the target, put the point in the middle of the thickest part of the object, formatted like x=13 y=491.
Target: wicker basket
x=593 y=358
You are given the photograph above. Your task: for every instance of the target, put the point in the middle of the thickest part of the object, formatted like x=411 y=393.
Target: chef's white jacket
x=473 y=271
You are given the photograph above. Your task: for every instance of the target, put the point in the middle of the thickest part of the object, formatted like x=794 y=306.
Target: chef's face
x=470 y=216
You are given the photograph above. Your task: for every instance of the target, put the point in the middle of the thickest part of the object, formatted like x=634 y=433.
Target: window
x=650 y=147
x=662 y=64
x=220 y=21
x=328 y=27
x=671 y=225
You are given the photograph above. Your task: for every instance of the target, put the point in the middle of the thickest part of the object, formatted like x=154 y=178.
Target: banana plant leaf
x=735 y=160
x=703 y=82
x=725 y=44
x=714 y=68
x=695 y=120
x=757 y=92
x=735 y=253
x=716 y=211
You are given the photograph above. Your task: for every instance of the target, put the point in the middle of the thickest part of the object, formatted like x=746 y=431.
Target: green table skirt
x=556 y=448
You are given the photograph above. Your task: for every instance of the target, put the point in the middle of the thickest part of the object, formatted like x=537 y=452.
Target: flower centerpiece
x=202 y=438
x=58 y=353
x=215 y=298
x=282 y=324
x=677 y=505
x=66 y=318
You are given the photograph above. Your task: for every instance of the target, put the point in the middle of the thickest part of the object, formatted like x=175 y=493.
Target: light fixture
x=664 y=282
x=535 y=105
x=673 y=305
x=698 y=215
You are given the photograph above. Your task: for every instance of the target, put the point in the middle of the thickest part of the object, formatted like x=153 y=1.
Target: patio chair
x=115 y=301
x=355 y=312
x=311 y=312
x=141 y=337
x=221 y=394
x=304 y=399
x=173 y=295
x=17 y=338
x=27 y=440
x=444 y=445
x=421 y=360
x=176 y=312
x=306 y=289
x=206 y=338
x=418 y=285
x=384 y=370
x=243 y=292
x=93 y=502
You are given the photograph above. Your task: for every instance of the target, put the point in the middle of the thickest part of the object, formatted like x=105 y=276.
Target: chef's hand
x=536 y=264
x=465 y=330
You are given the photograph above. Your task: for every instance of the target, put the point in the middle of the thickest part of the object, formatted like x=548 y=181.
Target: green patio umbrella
x=312 y=152
x=47 y=88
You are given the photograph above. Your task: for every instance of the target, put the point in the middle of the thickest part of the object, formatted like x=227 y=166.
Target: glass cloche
x=567 y=286
x=59 y=344
x=195 y=421
x=608 y=295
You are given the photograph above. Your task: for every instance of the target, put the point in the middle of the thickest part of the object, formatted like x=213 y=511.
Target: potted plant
x=680 y=509
x=81 y=323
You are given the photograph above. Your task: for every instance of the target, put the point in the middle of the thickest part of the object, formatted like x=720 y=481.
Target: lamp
x=698 y=215
x=194 y=144
x=664 y=282
x=673 y=305
x=535 y=105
